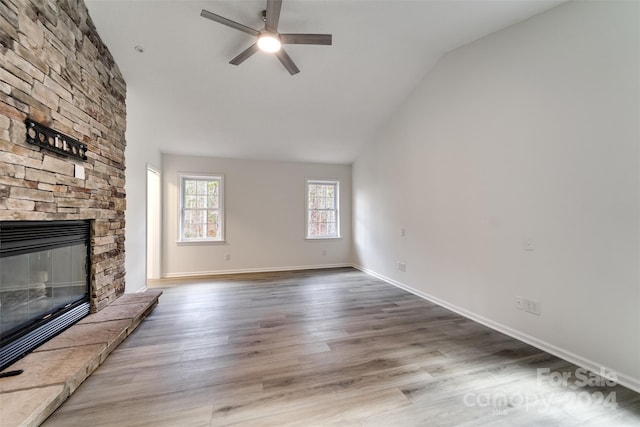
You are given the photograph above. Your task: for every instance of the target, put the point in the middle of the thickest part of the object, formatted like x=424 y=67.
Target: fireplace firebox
x=44 y=282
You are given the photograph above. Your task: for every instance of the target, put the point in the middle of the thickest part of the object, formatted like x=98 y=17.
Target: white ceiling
x=189 y=100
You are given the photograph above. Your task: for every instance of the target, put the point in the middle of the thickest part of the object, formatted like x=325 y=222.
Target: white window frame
x=182 y=177
x=335 y=182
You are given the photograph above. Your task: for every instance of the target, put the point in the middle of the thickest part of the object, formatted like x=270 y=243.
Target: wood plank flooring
x=328 y=348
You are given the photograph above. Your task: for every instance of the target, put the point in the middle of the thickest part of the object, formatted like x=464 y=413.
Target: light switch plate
x=79 y=171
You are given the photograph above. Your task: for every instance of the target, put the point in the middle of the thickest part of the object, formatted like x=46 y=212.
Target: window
x=323 y=219
x=201 y=208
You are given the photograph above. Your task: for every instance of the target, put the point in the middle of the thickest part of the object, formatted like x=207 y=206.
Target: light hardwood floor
x=329 y=347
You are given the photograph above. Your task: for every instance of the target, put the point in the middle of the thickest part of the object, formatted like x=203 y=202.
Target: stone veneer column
x=54 y=69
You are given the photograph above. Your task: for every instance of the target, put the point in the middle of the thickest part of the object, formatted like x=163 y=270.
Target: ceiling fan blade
x=287 y=62
x=245 y=54
x=273 y=15
x=228 y=22
x=324 y=39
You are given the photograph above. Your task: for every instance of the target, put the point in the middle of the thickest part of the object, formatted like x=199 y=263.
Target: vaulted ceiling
x=188 y=99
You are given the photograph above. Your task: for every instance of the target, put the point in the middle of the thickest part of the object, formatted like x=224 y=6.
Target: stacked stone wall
x=55 y=70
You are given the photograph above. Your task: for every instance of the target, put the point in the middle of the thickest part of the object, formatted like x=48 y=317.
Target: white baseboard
x=625 y=380
x=186 y=274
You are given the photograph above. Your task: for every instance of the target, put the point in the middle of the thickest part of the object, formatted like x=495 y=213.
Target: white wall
x=265 y=218
x=139 y=152
x=529 y=133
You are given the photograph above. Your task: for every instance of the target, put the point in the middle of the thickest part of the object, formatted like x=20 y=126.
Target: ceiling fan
x=269 y=40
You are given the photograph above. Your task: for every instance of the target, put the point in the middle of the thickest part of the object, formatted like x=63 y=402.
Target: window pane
x=189 y=230
x=212 y=224
x=322 y=203
x=212 y=188
x=322 y=229
x=331 y=203
x=212 y=201
x=189 y=186
x=330 y=190
x=331 y=229
x=197 y=230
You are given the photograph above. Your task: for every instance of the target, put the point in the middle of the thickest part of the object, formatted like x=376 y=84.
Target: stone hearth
x=54 y=370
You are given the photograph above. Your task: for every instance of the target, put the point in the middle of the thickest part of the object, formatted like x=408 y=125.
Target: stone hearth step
x=53 y=371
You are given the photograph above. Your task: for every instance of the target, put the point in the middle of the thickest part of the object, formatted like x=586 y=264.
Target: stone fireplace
x=56 y=71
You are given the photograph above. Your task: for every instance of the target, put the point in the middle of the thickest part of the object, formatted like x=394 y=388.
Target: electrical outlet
x=535 y=307
x=519 y=303
x=403 y=232
x=227 y=257
x=402 y=266
x=324 y=252
x=528 y=245
x=532 y=307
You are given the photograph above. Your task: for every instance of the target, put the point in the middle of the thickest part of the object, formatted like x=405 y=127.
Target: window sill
x=322 y=238
x=200 y=242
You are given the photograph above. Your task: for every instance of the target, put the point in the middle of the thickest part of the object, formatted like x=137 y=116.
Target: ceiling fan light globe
x=269 y=43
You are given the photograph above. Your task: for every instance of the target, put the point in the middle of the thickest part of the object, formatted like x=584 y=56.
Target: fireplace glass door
x=35 y=285
x=44 y=282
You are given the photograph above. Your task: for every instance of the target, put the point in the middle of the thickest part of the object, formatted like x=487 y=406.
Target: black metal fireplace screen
x=44 y=282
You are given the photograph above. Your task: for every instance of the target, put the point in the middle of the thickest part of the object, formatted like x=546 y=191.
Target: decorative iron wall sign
x=47 y=138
